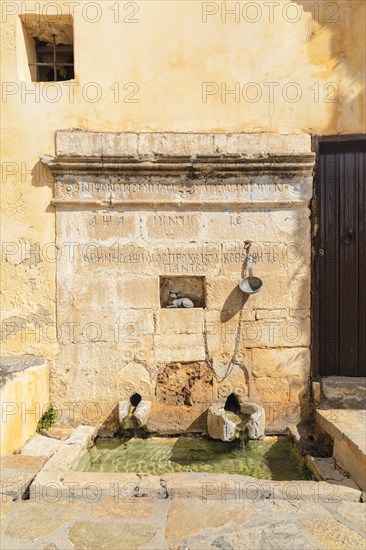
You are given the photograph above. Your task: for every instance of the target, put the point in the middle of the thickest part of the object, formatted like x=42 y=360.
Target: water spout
x=133 y=413
x=227 y=424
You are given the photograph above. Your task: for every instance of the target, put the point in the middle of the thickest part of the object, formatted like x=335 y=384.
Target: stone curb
x=72 y=485
x=58 y=480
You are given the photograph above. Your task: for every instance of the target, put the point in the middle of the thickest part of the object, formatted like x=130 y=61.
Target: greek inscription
x=173 y=220
x=104 y=219
x=225 y=191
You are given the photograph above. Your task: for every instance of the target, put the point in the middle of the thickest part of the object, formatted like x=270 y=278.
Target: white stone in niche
x=182 y=292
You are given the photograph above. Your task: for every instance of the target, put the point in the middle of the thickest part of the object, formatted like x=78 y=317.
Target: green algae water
x=275 y=459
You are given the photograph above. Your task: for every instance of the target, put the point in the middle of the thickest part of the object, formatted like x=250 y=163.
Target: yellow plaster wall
x=167 y=54
x=24 y=396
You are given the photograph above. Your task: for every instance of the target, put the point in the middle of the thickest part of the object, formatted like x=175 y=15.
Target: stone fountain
x=139 y=216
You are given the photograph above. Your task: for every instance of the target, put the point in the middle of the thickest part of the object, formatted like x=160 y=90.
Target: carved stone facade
x=136 y=212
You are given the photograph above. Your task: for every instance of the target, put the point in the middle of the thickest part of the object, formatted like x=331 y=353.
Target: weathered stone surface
x=121 y=487
x=88 y=535
x=350 y=454
x=5 y=508
x=271 y=313
x=65 y=459
x=325 y=469
x=57 y=432
x=167 y=419
x=59 y=29
x=271 y=390
x=334 y=535
x=48 y=485
x=170 y=321
x=179 y=347
x=40 y=518
x=185 y=225
x=10 y=364
x=94 y=143
x=93 y=486
x=135 y=377
x=123 y=408
x=278 y=363
x=233 y=142
x=220 y=425
x=24 y=462
x=90 y=232
x=344 y=392
x=243 y=488
x=347 y=429
x=188 y=517
x=232 y=379
x=142 y=413
x=354 y=514
x=82 y=435
x=130 y=508
x=82 y=143
x=285 y=535
x=185 y=384
x=229 y=524
x=257 y=421
x=161 y=144
x=15 y=483
x=41 y=445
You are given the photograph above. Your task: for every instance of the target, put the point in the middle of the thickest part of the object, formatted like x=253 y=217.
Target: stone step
x=340 y=392
x=347 y=428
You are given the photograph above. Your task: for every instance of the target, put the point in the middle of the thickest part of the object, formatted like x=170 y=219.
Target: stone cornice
x=208 y=204
x=98 y=169
x=220 y=165
x=102 y=153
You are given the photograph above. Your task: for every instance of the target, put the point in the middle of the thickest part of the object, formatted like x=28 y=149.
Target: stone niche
x=194 y=288
x=136 y=214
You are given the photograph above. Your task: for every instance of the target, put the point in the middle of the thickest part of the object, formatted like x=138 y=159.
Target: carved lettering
x=242 y=189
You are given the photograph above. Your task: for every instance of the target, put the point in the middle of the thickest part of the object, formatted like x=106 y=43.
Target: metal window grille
x=54 y=62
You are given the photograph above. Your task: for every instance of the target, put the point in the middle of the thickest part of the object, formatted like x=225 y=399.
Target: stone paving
x=182 y=523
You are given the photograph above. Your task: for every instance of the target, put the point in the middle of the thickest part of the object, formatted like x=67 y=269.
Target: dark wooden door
x=341 y=258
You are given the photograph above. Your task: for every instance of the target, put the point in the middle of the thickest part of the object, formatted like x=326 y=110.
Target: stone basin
x=272 y=458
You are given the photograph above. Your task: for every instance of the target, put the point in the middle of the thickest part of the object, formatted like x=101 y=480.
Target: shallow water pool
x=271 y=458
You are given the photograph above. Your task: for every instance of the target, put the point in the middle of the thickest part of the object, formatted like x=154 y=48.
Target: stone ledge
x=40 y=445
x=75 y=485
x=82 y=152
x=347 y=429
x=325 y=469
x=81 y=143
x=10 y=364
x=82 y=435
x=223 y=487
x=343 y=392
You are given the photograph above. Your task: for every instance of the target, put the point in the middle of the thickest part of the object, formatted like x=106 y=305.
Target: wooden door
x=341 y=258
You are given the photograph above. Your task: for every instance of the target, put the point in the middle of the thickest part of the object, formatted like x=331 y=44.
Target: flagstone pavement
x=181 y=523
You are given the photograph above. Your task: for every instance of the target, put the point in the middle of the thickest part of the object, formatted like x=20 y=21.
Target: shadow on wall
x=110 y=424
x=236 y=300
x=42 y=177
x=234 y=303
x=342 y=57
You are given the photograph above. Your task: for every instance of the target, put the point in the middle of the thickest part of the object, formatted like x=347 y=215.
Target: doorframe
x=314 y=207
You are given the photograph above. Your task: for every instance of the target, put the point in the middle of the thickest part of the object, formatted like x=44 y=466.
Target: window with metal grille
x=54 y=62
x=48 y=47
